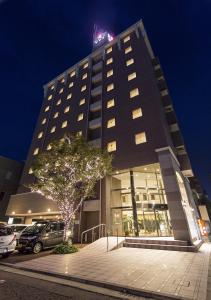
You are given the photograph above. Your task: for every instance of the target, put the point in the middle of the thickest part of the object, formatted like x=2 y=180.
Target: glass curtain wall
x=138 y=203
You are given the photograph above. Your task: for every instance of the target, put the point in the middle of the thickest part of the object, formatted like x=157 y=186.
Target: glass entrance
x=138 y=206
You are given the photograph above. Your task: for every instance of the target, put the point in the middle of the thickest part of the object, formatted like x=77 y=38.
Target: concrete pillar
x=169 y=165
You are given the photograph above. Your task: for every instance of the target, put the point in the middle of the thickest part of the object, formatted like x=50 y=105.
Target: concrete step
x=161 y=246
x=156 y=241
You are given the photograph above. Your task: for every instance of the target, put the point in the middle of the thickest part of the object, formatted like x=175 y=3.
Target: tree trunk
x=133 y=196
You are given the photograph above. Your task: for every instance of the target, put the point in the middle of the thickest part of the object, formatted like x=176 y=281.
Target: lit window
x=64 y=124
x=140 y=138
x=109 y=61
x=126 y=39
x=30 y=171
x=49 y=147
x=79 y=133
x=40 y=135
x=62 y=81
x=36 y=151
x=52 y=87
x=67 y=109
x=111 y=146
x=129 y=62
x=71 y=84
x=72 y=74
x=111 y=123
x=50 y=97
x=109 y=50
x=85 y=65
x=82 y=101
x=134 y=93
x=44 y=121
x=157 y=67
x=110 y=103
x=56 y=115
x=58 y=102
x=53 y=129
x=128 y=49
x=131 y=76
x=110 y=87
x=109 y=73
x=80 y=117
x=83 y=88
x=164 y=93
x=136 y=113
x=47 y=108
x=84 y=76
x=61 y=91
x=69 y=96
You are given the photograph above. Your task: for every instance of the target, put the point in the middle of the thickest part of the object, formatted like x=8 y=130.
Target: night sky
x=39 y=39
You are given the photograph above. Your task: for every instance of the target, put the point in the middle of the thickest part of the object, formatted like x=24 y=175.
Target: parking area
x=17 y=257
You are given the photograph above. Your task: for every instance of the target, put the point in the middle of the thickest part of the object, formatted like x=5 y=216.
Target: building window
x=111 y=123
x=52 y=87
x=164 y=93
x=44 y=121
x=53 y=129
x=58 y=102
x=109 y=61
x=49 y=147
x=129 y=62
x=134 y=93
x=82 y=101
x=126 y=39
x=56 y=115
x=85 y=65
x=47 y=108
x=128 y=49
x=84 y=76
x=110 y=103
x=136 y=113
x=131 y=76
x=109 y=73
x=109 y=50
x=50 y=97
x=36 y=151
x=69 y=96
x=140 y=138
x=64 y=124
x=61 y=91
x=111 y=146
x=83 y=88
x=67 y=109
x=157 y=67
x=40 y=135
x=70 y=84
x=110 y=87
x=62 y=81
x=30 y=171
x=72 y=74
x=80 y=117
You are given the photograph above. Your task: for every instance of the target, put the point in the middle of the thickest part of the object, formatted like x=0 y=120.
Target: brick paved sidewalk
x=168 y=272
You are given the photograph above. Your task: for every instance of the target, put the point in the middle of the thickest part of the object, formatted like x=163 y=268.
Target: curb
x=126 y=290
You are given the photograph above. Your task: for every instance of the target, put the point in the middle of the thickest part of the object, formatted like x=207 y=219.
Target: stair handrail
x=92 y=229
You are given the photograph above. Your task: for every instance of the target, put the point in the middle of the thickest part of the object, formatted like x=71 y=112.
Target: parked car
x=18 y=229
x=7 y=241
x=41 y=235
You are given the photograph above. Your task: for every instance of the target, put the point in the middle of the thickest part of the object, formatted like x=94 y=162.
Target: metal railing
x=101 y=232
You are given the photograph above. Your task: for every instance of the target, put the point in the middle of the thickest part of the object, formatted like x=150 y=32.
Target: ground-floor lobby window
x=138 y=203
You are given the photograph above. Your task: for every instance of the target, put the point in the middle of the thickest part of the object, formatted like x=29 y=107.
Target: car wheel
x=21 y=251
x=37 y=248
x=5 y=255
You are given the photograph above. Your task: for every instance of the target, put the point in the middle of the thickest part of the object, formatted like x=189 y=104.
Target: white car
x=18 y=229
x=7 y=241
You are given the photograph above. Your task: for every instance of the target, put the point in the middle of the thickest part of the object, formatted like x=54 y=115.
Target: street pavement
x=172 y=273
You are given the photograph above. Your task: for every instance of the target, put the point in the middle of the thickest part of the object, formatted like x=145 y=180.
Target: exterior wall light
x=29 y=211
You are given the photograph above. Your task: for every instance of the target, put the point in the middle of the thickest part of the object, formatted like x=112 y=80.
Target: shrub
x=65 y=248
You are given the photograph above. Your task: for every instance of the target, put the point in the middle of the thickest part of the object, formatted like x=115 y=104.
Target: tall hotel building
x=118 y=99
